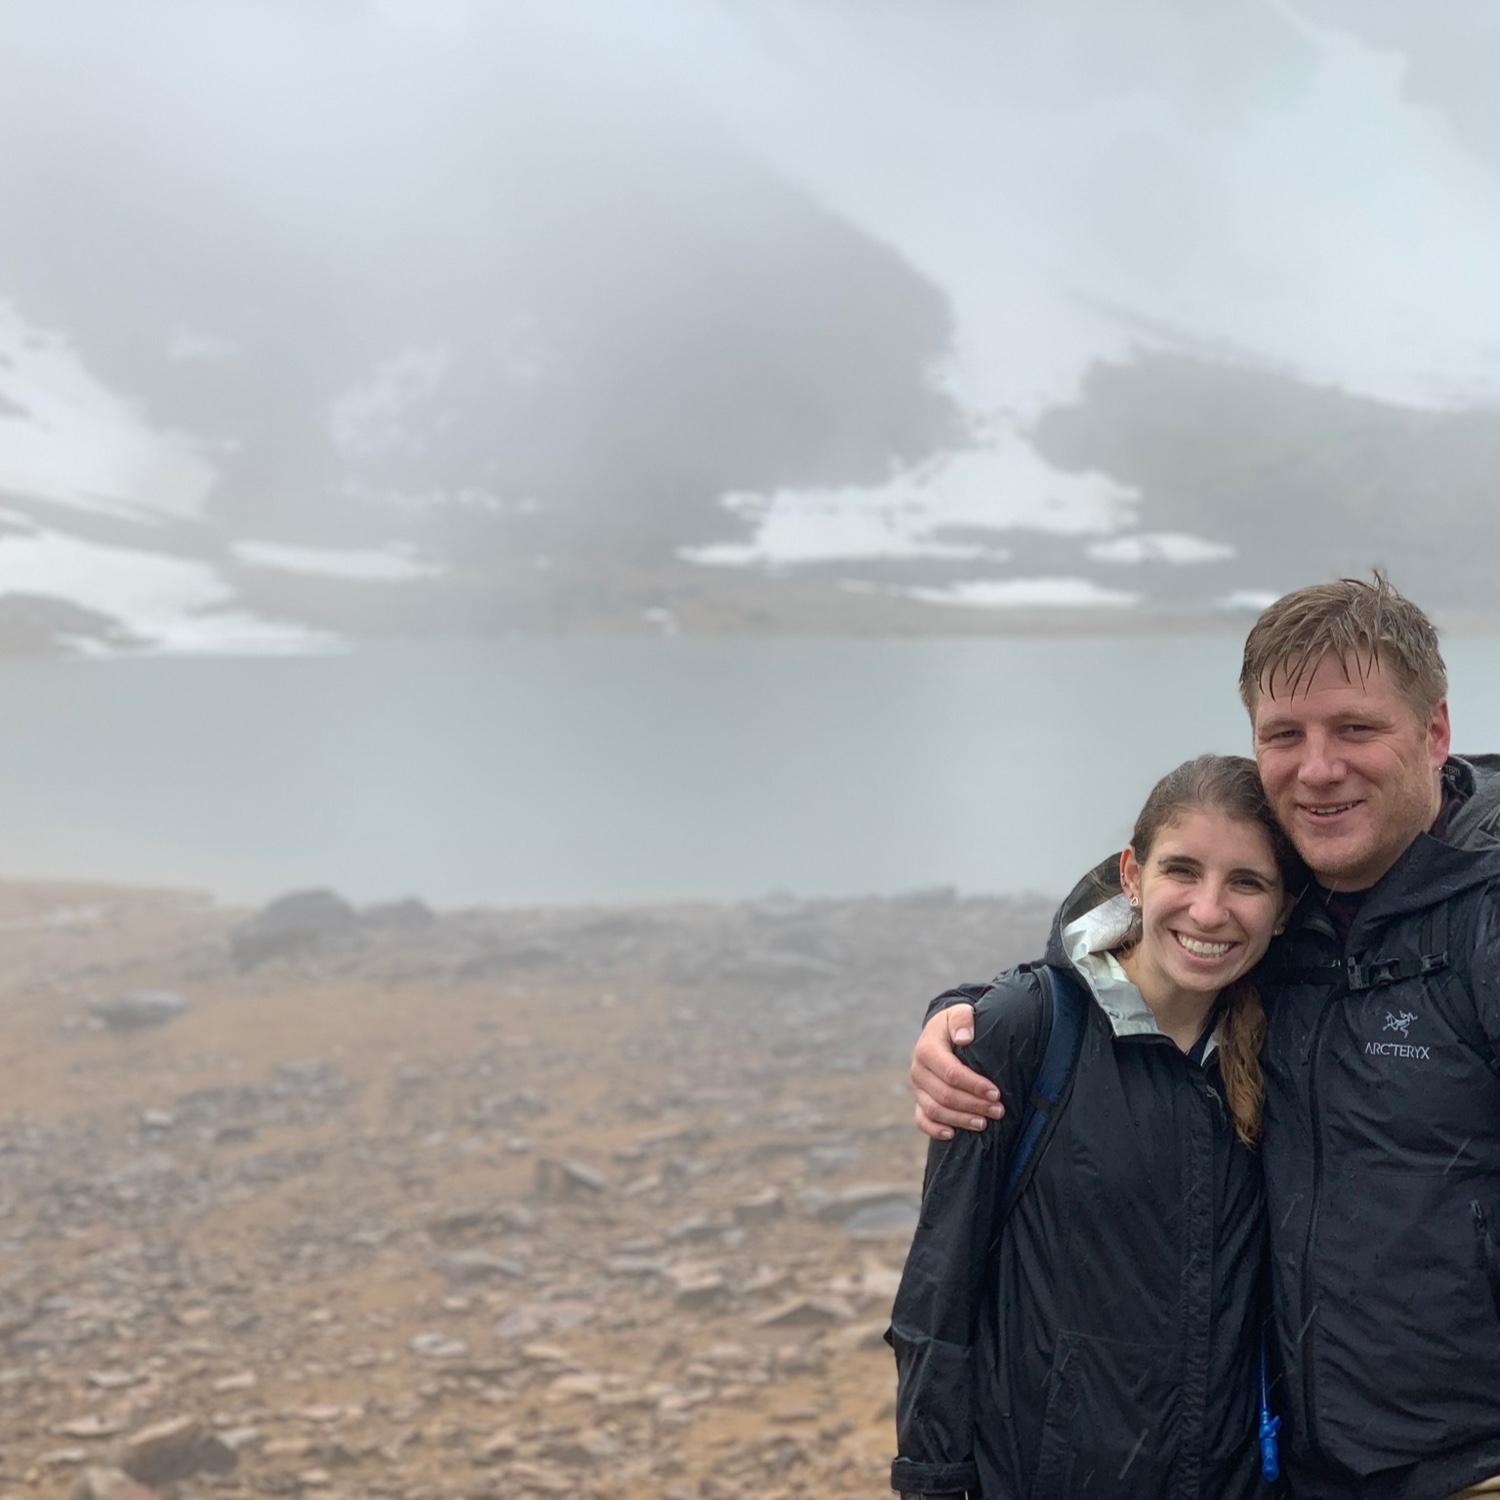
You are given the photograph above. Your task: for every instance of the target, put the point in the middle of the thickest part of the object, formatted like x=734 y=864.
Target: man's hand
x=949 y=1095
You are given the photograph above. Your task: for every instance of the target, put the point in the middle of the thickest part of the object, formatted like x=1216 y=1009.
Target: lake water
x=531 y=771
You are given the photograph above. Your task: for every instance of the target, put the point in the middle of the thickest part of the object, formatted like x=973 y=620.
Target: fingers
x=954 y=1098
x=951 y=1083
x=937 y=1072
x=958 y=1021
x=929 y=1127
x=939 y=1121
x=949 y=1095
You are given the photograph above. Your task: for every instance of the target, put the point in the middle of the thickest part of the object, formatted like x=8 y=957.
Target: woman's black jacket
x=1108 y=1344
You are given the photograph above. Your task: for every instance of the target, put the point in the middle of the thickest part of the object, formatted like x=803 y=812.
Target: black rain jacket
x=1382 y=1161
x=1108 y=1345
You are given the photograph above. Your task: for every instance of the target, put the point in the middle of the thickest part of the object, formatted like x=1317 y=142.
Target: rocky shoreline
x=593 y=1202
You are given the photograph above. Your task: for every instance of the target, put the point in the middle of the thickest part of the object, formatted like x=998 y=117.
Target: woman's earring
x=1134 y=899
x=1279 y=930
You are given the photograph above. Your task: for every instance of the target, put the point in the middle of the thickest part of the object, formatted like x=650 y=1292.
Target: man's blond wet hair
x=1362 y=624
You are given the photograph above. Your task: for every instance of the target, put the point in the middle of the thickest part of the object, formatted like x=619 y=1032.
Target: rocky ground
x=492 y=1204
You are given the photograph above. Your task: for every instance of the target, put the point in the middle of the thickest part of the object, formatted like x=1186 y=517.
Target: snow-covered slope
x=410 y=317
x=1251 y=186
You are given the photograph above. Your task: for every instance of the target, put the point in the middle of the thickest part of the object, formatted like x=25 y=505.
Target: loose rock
x=140 y=1008
x=175 y=1449
x=109 y=1484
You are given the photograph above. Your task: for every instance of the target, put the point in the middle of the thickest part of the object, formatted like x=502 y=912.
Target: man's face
x=1349 y=768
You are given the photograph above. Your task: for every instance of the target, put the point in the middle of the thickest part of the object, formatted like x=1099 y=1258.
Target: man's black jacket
x=1382 y=1162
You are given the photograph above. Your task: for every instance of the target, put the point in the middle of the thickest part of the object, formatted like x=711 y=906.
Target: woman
x=1108 y=1344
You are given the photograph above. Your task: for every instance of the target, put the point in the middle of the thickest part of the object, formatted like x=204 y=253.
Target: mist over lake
x=622 y=770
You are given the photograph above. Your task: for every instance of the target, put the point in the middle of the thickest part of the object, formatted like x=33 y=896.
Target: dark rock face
x=39 y=625
x=1250 y=457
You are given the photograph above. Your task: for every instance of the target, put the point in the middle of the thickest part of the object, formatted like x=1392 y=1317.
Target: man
x=1382 y=1113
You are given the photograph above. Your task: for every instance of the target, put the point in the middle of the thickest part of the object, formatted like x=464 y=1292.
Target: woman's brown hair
x=1227 y=784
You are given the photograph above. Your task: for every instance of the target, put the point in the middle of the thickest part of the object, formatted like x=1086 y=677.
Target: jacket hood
x=1100 y=885
x=1473 y=784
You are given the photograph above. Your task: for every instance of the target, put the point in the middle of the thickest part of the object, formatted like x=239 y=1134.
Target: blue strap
x=1270 y=1458
x=1067 y=1006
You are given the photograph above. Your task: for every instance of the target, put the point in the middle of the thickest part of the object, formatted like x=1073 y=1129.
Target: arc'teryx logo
x=1398 y=1021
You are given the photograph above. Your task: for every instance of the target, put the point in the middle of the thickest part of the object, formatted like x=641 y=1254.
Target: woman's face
x=1210 y=898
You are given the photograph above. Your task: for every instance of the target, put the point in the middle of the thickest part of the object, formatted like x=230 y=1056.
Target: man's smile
x=1327 y=809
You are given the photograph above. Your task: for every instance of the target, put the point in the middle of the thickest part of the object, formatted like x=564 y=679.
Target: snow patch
x=392 y=564
x=66 y=437
x=173 y=604
x=662 y=619
x=1025 y=593
x=1251 y=599
x=1003 y=485
x=1160 y=546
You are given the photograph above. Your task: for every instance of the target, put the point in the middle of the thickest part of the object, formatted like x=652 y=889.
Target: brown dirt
x=278 y=1181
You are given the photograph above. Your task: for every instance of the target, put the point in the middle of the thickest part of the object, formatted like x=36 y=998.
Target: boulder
x=868 y=1205
x=760 y=1208
x=140 y=1008
x=109 y=1484
x=806 y=1312
x=568 y=1179
x=476 y=1265
x=299 y=923
x=395 y=917
x=175 y=1449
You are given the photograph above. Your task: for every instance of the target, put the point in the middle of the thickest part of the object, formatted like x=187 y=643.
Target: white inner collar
x=1089 y=942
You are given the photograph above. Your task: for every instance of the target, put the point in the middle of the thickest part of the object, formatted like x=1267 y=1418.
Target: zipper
x=1309 y=1302
x=1218 y=1100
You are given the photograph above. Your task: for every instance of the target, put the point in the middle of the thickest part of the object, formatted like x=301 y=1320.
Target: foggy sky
x=532 y=278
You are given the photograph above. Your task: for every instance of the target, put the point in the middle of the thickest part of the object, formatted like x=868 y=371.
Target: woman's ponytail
x=1243 y=1030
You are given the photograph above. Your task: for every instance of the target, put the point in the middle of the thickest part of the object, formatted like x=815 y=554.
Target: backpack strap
x=1064 y=1008
x=1373 y=975
x=1448 y=935
x=1461 y=917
